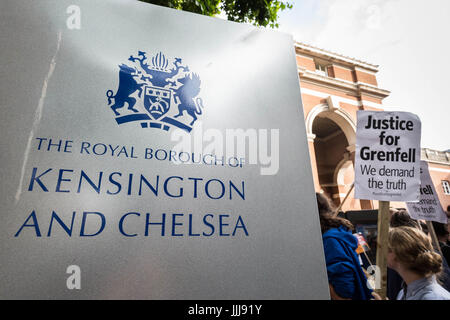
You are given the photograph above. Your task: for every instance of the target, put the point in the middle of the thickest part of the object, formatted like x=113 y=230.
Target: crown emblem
x=153 y=89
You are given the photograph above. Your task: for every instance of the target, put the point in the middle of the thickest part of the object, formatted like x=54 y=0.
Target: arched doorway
x=333 y=133
x=330 y=146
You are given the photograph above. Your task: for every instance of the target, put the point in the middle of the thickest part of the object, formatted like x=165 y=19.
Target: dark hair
x=326 y=211
x=440 y=229
x=423 y=226
x=401 y=218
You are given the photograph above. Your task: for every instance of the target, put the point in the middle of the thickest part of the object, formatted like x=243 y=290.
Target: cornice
x=333 y=56
x=378 y=92
x=333 y=83
x=435 y=156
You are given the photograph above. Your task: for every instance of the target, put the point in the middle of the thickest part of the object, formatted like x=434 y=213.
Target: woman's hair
x=413 y=250
x=326 y=211
x=440 y=229
x=401 y=218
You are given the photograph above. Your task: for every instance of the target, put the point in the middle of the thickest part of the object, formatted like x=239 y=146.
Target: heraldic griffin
x=150 y=88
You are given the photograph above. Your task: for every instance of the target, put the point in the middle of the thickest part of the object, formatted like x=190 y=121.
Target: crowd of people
x=416 y=270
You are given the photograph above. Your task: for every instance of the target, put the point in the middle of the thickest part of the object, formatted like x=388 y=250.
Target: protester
x=411 y=254
x=345 y=275
x=394 y=281
x=399 y=218
x=442 y=234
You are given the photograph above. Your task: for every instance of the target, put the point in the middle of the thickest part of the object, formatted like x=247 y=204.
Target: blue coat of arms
x=149 y=92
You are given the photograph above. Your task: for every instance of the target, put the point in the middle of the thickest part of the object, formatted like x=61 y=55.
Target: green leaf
x=258 y=12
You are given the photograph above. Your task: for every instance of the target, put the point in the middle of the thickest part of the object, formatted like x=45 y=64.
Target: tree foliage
x=258 y=12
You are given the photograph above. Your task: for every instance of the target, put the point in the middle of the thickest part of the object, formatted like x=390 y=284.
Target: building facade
x=334 y=87
x=439 y=167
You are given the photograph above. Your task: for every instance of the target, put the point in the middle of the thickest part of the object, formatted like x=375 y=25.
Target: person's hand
x=376 y=296
x=334 y=295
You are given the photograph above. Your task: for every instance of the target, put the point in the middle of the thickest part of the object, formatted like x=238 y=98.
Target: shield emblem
x=157 y=101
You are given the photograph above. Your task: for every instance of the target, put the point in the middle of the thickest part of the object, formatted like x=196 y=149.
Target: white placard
x=428 y=208
x=387 y=159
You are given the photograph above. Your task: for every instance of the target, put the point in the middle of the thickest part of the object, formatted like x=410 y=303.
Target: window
x=322 y=69
x=446 y=186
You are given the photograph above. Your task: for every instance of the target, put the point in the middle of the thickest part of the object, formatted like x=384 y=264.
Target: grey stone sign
x=99 y=201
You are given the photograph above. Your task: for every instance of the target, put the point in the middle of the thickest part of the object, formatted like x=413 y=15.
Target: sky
x=408 y=39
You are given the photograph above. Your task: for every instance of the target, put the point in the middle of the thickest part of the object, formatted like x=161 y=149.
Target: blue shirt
x=424 y=289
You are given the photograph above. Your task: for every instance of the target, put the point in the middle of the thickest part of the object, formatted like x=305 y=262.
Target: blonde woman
x=410 y=254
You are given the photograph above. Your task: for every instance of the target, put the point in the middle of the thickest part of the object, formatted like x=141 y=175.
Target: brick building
x=439 y=167
x=333 y=88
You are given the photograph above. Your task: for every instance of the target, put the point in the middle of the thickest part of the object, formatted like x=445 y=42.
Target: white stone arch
x=339 y=172
x=339 y=116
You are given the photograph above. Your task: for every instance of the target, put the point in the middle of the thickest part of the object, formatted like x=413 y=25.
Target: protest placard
x=428 y=208
x=387 y=159
x=387 y=168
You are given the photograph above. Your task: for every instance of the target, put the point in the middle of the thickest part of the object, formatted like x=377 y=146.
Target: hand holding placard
x=387 y=168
